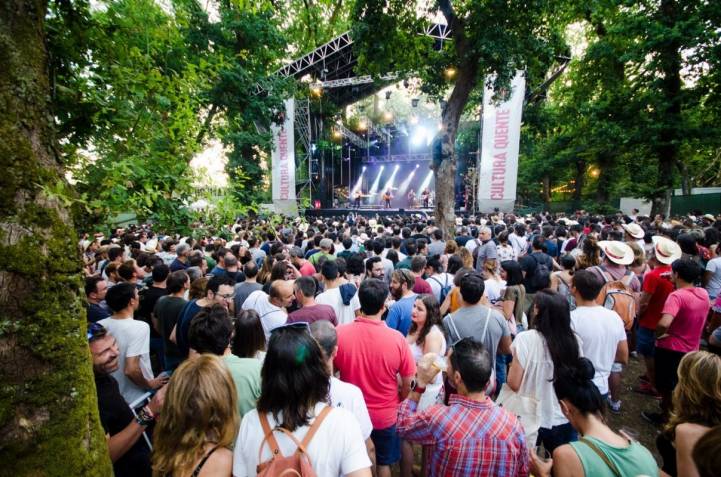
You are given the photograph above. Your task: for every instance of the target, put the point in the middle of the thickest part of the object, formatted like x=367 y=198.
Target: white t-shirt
x=338 y=448
x=493 y=289
x=438 y=281
x=532 y=353
x=350 y=397
x=344 y=314
x=714 y=283
x=271 y=316
x=601 y=330
x=133 y=338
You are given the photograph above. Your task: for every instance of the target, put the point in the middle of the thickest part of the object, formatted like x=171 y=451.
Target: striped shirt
x=467 y=437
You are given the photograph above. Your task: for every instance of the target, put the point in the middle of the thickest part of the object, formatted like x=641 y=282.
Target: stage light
x=417 y=165
x=364 y=168
x=388 y=95
x=419 y=136
x=388 y=116
x=316 y=88
x=426 y=182
x=337 y=134
x=376 y=183
x=414 y=102
x=383 y=167
x=406 y=183
x=398 y=166
x=450 y=72
x=389 y=184
x=362 y=125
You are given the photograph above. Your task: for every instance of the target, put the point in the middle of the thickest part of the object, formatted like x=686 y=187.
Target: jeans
x=502 y=361
x=556 y=436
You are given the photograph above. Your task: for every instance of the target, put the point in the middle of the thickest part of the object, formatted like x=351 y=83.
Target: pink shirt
x=307 y=269
x=689 y=308
x=371 y=355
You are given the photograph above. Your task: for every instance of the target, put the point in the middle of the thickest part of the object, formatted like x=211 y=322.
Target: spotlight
x=450 y=72
x=388 y=95
x=414 y=102
x=337 y=134
x=383 y=167
x=316 y=88
x=398 y=166
x=388 y=116
x=362 y=125
x=417 y=166
x=364 y=168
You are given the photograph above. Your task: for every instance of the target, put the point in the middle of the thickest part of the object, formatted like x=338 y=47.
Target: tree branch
x=450 y=14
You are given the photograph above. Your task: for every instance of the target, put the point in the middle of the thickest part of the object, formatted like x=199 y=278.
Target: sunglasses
x=95 y=331
x=298 y=325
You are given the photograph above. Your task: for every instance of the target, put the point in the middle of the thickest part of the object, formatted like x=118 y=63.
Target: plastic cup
x=542 y=454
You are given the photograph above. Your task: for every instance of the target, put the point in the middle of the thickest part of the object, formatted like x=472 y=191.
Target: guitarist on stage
x=425 y=196
x=411 y=199
x=387 y=199
x=357 y=199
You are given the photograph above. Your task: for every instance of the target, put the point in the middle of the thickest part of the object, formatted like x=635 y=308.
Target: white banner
x=499 y=148
x=283 y=162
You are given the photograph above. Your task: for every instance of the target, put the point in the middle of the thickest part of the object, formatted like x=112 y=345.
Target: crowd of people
x=352 y=345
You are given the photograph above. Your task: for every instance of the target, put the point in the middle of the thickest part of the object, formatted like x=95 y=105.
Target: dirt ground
x=629 y=420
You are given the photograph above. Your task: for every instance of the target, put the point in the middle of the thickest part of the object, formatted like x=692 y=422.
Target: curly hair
x=591 y=255
x=697 y=397
x=200 y=407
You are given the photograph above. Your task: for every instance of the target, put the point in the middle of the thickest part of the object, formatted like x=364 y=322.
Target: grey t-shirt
x=471 y=321
x=242 y=291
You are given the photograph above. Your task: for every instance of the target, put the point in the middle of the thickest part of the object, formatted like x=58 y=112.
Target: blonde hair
x=465 y=256
x=200 y=407
x=638 y=256
x=697 y=397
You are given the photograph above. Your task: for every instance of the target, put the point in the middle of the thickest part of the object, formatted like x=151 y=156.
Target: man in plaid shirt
x=471 y=436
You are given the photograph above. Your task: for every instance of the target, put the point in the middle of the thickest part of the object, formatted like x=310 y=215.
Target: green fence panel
x=707 y=203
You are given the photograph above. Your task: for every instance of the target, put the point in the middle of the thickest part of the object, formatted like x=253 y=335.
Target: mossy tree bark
x=49 y=421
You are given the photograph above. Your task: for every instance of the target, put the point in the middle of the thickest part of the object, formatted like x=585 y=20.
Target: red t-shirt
x=659 y=287
x=307 y=269
x=689 y=308
x=371 y=355
x=422 y=287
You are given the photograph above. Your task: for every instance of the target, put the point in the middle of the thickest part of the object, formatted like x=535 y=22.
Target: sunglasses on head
x=95 y=331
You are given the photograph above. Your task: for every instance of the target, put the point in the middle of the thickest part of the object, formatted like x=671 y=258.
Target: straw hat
x=710 y=217
x=665 y=250
x=617 y=252
x=634 y=230
x=151 y=245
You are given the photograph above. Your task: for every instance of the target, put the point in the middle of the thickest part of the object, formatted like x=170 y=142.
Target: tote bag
x=526 y=408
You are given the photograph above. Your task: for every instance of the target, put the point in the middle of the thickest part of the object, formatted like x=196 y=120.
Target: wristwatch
x=416 y=388
x=145 y=417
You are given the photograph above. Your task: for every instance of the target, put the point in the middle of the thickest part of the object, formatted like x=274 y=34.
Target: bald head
x=324 y=333
x=281 y=293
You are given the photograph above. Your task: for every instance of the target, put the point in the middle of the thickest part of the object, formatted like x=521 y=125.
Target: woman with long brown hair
x=199 y=421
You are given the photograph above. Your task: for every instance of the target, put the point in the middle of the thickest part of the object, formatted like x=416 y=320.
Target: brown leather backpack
x=298 y=464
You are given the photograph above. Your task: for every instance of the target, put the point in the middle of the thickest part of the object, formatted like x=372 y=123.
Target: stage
x=367 y=211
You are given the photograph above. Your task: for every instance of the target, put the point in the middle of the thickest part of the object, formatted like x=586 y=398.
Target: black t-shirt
x=167 y=311
x=115 y=415
x=148 y=298
x=529 y=264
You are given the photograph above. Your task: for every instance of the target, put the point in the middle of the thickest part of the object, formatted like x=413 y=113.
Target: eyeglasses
x=227 y=296
x=298 y=325
x=95 y=331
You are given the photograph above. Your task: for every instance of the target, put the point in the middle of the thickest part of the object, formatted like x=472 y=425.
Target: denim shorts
x=645 y=342
x=388 y=445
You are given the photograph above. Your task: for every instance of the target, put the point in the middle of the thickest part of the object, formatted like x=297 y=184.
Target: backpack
x=541 y=275
x=617 y=295
x=564 y=289
x=445 y=289
x=476 y=250
x=297 y=464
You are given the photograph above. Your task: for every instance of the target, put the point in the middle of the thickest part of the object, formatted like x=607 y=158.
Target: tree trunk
x=546 y=192
x=579 y=183
x=49 y=421
x=669 y=112
x=445 y=174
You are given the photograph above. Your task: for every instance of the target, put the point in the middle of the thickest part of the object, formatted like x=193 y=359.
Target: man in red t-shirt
x=657 y=285
x=418 y=266
x=370 y=356
x=305 y=268
x=678 y=331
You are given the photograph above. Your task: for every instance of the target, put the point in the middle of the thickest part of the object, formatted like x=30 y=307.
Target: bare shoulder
x=688 y=433
x=566 y=462
x=219 y=464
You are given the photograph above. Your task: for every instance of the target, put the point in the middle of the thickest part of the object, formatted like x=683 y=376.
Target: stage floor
x=366 y=212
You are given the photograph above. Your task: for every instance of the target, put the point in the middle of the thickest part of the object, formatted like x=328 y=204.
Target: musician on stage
x=387 y=199
x=425 y=196
x=357 y=199
x=411 y=199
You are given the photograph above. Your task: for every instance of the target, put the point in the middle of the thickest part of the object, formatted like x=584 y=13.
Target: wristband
x=416 y=388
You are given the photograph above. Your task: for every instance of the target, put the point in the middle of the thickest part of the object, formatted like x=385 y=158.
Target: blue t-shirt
x=182 y=327
x=399 y=315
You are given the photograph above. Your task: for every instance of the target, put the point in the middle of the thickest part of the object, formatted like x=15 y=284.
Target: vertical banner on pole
x=283 y=162
x=499 y=148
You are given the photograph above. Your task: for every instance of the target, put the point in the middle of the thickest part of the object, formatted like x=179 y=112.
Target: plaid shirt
x=467 y=438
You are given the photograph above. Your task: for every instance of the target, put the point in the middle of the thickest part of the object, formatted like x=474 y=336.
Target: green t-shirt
x=246 y=376
x=633 y=459
x=315 y=258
